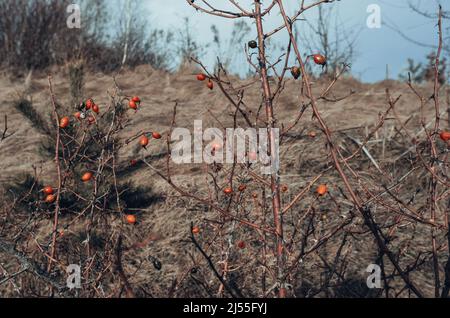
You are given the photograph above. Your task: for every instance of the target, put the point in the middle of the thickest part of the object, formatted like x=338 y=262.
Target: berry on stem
x=201 y=77
x=228 y=190
x=320 y=59
x=144 y=141
x=156 y=135
x=445 y=135
x=64 y=122
x=133 y=105
x=87 y=176
x=50 y=198
x=295 y=71
x=48 y=190
x=252 y=44
x=241 y=245
x=322 y=189
x=89 y=103
x=131 y=219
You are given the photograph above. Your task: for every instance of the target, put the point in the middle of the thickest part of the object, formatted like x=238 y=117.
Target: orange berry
x=201 y=77
x=136 y=99
x=87 y=176
x=228 y=190
x=195 y=230
x=210 y=85
x=320 y=59
x=131 y=219
x=64 y=122
x=144 y=141
x=50 y=198
x=156 y=135
x=445 y=135
x=322 y=189
x=284 y=188
x=133 y=105
x=241 y=245
x=242 y=187
x=48 y=190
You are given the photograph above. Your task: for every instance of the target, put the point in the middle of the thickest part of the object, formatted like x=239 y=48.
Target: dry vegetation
x=376 y=147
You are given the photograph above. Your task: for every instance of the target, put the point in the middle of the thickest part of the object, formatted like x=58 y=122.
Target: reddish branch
x=233 y=291
x=58 y=169
x=334 y=154
x=274 y=179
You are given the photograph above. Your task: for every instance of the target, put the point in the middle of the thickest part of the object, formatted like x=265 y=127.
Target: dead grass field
x=165 y=217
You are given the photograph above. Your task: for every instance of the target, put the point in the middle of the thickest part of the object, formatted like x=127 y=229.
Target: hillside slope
x=166 y=215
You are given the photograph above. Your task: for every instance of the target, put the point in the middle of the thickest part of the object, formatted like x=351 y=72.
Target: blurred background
x=165 y=34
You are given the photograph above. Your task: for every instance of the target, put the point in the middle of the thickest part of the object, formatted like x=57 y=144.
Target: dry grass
x=165 y=217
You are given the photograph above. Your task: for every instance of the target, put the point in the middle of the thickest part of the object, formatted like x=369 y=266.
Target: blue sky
x=375 y=47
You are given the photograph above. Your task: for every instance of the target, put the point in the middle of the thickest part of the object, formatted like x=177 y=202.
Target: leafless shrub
x=34 y=35
x=251 y=235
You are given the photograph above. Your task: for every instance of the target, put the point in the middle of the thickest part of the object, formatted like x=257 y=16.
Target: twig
x=58 y=168
x=234 y=292
x=359 y=143
x=120 y=271
x=30 y=265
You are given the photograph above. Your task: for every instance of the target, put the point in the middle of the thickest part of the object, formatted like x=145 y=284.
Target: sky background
x=374 y=47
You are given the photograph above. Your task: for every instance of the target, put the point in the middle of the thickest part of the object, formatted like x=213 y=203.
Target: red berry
x=445 y=135
x=156 y=135
x=322 y=189
x=241 y=245
x=131 y=219
x=64 y=122
x=320 y=59
x=133 y=105
x=87 y=176
x=48 y=190
x=50 y=198
x=201 y=77
x=89 y=103
x=144 y=141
